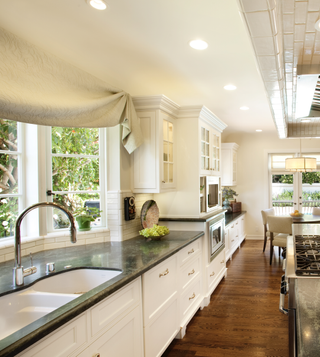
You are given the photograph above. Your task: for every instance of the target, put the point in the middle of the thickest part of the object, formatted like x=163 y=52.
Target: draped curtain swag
x=39 y=88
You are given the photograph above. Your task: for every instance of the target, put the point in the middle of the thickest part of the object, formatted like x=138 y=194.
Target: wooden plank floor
x=242 y=318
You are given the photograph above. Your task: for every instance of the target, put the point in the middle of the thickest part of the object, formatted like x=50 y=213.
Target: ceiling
x=142 y=47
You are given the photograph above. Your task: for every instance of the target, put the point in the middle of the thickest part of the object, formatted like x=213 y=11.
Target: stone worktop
x=308 y=316
x=133 y=257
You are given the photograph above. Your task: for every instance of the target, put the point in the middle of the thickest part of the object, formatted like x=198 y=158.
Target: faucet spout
x=18 y=272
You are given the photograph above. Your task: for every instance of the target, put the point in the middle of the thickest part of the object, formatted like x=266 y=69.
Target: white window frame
x=102 y=179
x=21 y=171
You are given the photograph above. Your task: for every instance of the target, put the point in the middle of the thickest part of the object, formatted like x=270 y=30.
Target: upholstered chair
x=316 y=211
x=282 y=225
x=266 y=234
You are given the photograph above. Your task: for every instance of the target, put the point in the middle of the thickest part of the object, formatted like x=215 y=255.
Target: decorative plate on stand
x=149 y=214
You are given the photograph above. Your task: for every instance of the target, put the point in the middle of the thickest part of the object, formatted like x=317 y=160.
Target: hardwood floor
x=242 y=318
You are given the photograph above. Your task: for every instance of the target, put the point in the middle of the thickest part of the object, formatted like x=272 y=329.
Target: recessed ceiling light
x=97 y=4
x=230 y=87
x=317 y=25
x=305 y=120
x=258 y=130
x=198 y=44
x=244 y=108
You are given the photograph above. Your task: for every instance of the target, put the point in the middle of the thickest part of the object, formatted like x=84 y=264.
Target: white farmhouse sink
x=19 y=309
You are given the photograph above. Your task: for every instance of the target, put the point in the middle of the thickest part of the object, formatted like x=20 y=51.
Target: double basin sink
x=23 y=307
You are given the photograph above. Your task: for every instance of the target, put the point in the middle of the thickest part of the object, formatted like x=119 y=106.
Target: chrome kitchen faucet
x=18 y=272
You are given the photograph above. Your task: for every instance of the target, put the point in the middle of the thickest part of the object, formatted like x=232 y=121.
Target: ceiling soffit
x=286 y=45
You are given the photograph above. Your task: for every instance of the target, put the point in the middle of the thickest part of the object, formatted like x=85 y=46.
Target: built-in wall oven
x=216 y=235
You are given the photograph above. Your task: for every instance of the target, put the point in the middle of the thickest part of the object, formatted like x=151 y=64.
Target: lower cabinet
x=99 y=331
x=235 y=234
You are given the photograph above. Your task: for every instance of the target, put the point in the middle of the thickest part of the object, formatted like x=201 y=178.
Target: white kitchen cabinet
x=210 y=142
x=101 y=329
x=124 y=339
x=161 y=306
x=229 y=164
x=154 y=163
x=236 y=234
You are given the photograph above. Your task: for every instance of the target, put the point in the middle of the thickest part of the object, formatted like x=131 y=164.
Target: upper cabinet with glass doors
x=154 y=162
x=210 y=143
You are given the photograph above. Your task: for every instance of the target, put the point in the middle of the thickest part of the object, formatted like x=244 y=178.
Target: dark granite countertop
x=229 y=217
x=134 y=257
x=308 y=316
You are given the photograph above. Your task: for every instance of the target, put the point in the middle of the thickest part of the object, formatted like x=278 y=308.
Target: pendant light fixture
x=301 y=164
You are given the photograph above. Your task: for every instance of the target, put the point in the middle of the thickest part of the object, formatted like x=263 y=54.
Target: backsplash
x=119 y=228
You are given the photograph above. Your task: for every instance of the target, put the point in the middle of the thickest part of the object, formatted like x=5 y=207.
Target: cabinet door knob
x=212 y=274
x=163 y=181
x=192 y=272
x=222 y=262
x=191 y=251
x=192 y=297
x=165 y=273
x=232 y=240
x=96 y=355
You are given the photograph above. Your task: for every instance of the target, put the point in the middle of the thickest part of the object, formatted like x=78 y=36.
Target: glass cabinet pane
x=214 y=153
x=165 y=130
x=170 y=172
x=207 y=136
x=170 y=152
x=170 y=132
x=207 y=150
x=165 y=151
x=165 y=172
x=203 y=134
x=202 y=162
x=203 y=145
x=207 y=164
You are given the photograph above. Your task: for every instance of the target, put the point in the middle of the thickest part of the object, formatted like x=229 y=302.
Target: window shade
x=39 y=88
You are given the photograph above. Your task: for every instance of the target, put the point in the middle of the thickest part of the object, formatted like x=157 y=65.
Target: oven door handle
x=283 y=292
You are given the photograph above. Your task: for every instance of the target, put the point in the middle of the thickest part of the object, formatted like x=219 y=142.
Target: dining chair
x=316 y=211
x=282 y=225
x=265 y=213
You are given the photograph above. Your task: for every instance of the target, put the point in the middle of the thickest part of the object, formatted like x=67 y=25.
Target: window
x=10 y=171
x=75 y=174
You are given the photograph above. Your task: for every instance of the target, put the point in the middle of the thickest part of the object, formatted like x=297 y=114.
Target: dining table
x=306 y=218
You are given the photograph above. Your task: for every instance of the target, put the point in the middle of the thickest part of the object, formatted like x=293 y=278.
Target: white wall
x=252 y=181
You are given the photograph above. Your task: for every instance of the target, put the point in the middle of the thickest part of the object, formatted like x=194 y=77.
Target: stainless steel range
x=302 y=264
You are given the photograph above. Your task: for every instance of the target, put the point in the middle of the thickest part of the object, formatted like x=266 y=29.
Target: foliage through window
x=75 y=155
x=9 y=179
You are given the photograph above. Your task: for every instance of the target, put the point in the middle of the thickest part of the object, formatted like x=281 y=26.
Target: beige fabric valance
x=37 y=87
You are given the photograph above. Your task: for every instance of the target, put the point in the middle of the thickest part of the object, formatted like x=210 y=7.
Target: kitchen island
x=133 y=257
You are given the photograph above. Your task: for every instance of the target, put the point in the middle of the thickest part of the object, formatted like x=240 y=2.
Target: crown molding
x=156 y=102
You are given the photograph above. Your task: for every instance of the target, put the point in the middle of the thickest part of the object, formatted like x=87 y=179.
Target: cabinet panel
x=161 y=331
x=190 y=272
x=61 y=343
x=215 y=268
x=229 y=164
x=189 y=252
x=210 y=143
x=145 y=168
x=190 y=298
x=124 y=339
x=159 y=285
x=104 y=313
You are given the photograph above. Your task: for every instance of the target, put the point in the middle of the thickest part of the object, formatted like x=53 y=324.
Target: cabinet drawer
x=159 y=286
x=215 y=267
x=62 y=342
x=124 y=339
x=109 y=311
x=190 y=298
x=189 y=252
x=159 y=334
x=190 y=272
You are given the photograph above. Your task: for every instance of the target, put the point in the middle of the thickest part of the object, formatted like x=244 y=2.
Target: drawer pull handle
x=212 y=274
x=222 y=262
x=232 y=226
x=237 y=222
x=192 y=297
x=192 y=272
x=191 y=251
x=165 y=273
x=237 y=236
x=232 y=240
